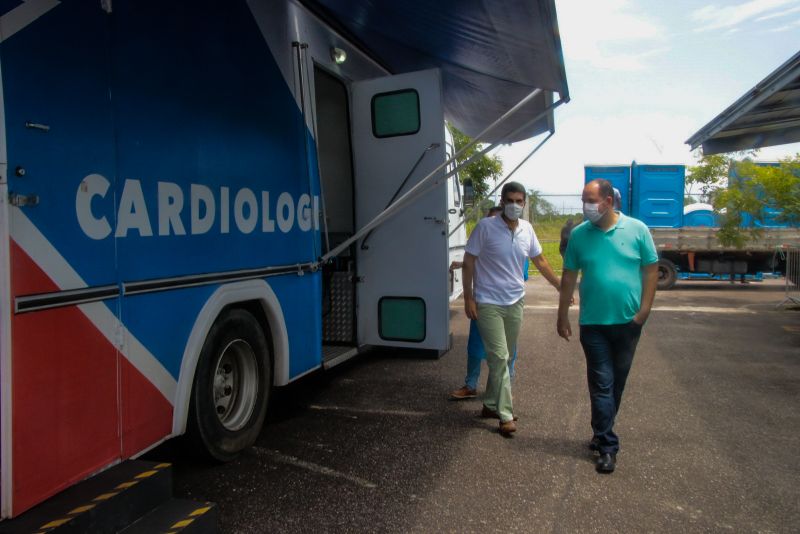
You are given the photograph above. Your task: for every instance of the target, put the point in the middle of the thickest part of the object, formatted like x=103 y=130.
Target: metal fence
x=792 y=290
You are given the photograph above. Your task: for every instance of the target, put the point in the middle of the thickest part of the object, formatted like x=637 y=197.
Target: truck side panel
x=173 y=148
x=63 y=420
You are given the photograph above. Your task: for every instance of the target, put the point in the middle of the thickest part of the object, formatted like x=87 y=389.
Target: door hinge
x=119 y=336
x=22 y=200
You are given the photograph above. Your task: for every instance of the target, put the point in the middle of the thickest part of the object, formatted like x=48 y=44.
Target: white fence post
x=792 y=281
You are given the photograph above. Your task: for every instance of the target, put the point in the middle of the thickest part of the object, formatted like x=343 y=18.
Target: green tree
x=481 y=171
x=538 y=206
x=710 y=173
x=755 y=189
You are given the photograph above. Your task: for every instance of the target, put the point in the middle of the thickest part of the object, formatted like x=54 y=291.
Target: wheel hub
x=235 y=386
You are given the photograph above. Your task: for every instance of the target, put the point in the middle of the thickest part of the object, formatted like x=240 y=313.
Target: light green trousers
x=499 y=327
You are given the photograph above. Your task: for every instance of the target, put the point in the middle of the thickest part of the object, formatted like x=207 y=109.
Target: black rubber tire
x=667 y=274
x=206 y=432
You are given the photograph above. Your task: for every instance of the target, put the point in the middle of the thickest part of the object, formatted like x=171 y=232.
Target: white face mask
x=592 y=212
x=512 y=211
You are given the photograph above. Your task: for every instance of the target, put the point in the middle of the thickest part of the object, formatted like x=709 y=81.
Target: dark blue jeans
x=609 y=353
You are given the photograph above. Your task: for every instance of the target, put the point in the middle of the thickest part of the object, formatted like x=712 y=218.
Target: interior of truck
x=338 y=211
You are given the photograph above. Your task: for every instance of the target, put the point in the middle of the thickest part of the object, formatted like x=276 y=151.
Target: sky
x=644 y=75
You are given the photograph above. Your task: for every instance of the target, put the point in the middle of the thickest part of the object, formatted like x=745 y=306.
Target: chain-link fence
x=792 y=289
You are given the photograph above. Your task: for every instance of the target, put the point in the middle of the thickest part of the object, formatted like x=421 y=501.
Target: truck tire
x=231 y=387
x=667 y=274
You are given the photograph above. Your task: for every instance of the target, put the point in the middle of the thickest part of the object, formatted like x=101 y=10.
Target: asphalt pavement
x=709 y=430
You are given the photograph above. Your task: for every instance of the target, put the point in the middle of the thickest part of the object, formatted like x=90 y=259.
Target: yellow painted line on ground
x=106 y=496
x=183 y=523
x=81 y=509
x=200 y=511
x=792 y=328
x=56 y=523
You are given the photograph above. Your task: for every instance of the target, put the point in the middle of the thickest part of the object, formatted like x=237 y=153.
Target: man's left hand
x=640 y=318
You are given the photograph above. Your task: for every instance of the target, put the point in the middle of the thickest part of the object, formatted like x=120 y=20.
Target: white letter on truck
x=91 y=186
x=245 y=197
x=284 y=212
x=267 y=224
x=198 y=194
x=304 y=213
x=170 y=205
x=224 y=210
x=132 y=212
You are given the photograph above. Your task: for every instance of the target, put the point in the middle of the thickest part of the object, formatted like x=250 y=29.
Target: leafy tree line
x=484 y=173
x=754 y=189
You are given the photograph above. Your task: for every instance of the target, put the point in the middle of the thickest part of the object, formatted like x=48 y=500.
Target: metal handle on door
x=23 y=200
x=435 y=219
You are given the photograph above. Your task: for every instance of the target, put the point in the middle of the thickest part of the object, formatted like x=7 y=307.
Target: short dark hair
x=513 y=187
x=493 y=210
x=605 y=188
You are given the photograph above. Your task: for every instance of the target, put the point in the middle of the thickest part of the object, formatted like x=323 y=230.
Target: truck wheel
x=667 y=274
x=231 y=387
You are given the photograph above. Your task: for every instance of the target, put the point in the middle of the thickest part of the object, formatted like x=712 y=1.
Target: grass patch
x=550 y=251
x=548 y=231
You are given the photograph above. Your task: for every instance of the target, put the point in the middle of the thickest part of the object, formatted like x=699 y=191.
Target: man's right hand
x=471 y=308
x=564 y=328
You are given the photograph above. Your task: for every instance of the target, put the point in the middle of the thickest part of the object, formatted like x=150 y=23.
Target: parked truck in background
x=686 y=236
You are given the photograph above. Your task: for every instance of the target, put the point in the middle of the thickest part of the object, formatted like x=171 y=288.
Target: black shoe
x=606 y=463
x=594 y=444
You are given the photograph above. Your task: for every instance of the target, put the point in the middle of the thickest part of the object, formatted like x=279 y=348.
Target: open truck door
x=398 y=139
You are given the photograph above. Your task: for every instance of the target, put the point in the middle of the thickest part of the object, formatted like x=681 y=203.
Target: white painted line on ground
x=703 y=309
x=368 y=411
x=688 y=309
x=315 y=468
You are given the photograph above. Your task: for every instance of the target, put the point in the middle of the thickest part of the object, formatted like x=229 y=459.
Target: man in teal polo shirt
x=618 y=262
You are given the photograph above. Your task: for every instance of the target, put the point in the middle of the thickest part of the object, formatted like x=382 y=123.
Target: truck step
x=107 y=502
x=178 y=515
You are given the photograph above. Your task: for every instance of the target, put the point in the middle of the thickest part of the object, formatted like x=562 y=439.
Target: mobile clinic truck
x=202 y=200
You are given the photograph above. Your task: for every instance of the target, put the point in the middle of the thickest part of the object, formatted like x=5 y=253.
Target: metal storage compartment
x=657 y=194
x=618 y=175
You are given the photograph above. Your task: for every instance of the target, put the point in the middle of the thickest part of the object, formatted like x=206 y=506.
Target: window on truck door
x=395 y=113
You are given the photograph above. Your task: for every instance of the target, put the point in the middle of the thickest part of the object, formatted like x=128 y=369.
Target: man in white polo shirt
x=493 y=268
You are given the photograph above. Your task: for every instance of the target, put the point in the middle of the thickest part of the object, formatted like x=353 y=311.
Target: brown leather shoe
x=463 y=393
x=486 y=413
x=507 y=428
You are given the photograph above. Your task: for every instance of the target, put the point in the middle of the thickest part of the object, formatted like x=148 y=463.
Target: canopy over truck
x=492 y=54
x=767 y=115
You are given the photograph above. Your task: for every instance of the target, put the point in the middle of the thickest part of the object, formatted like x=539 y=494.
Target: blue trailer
x=686 y=235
